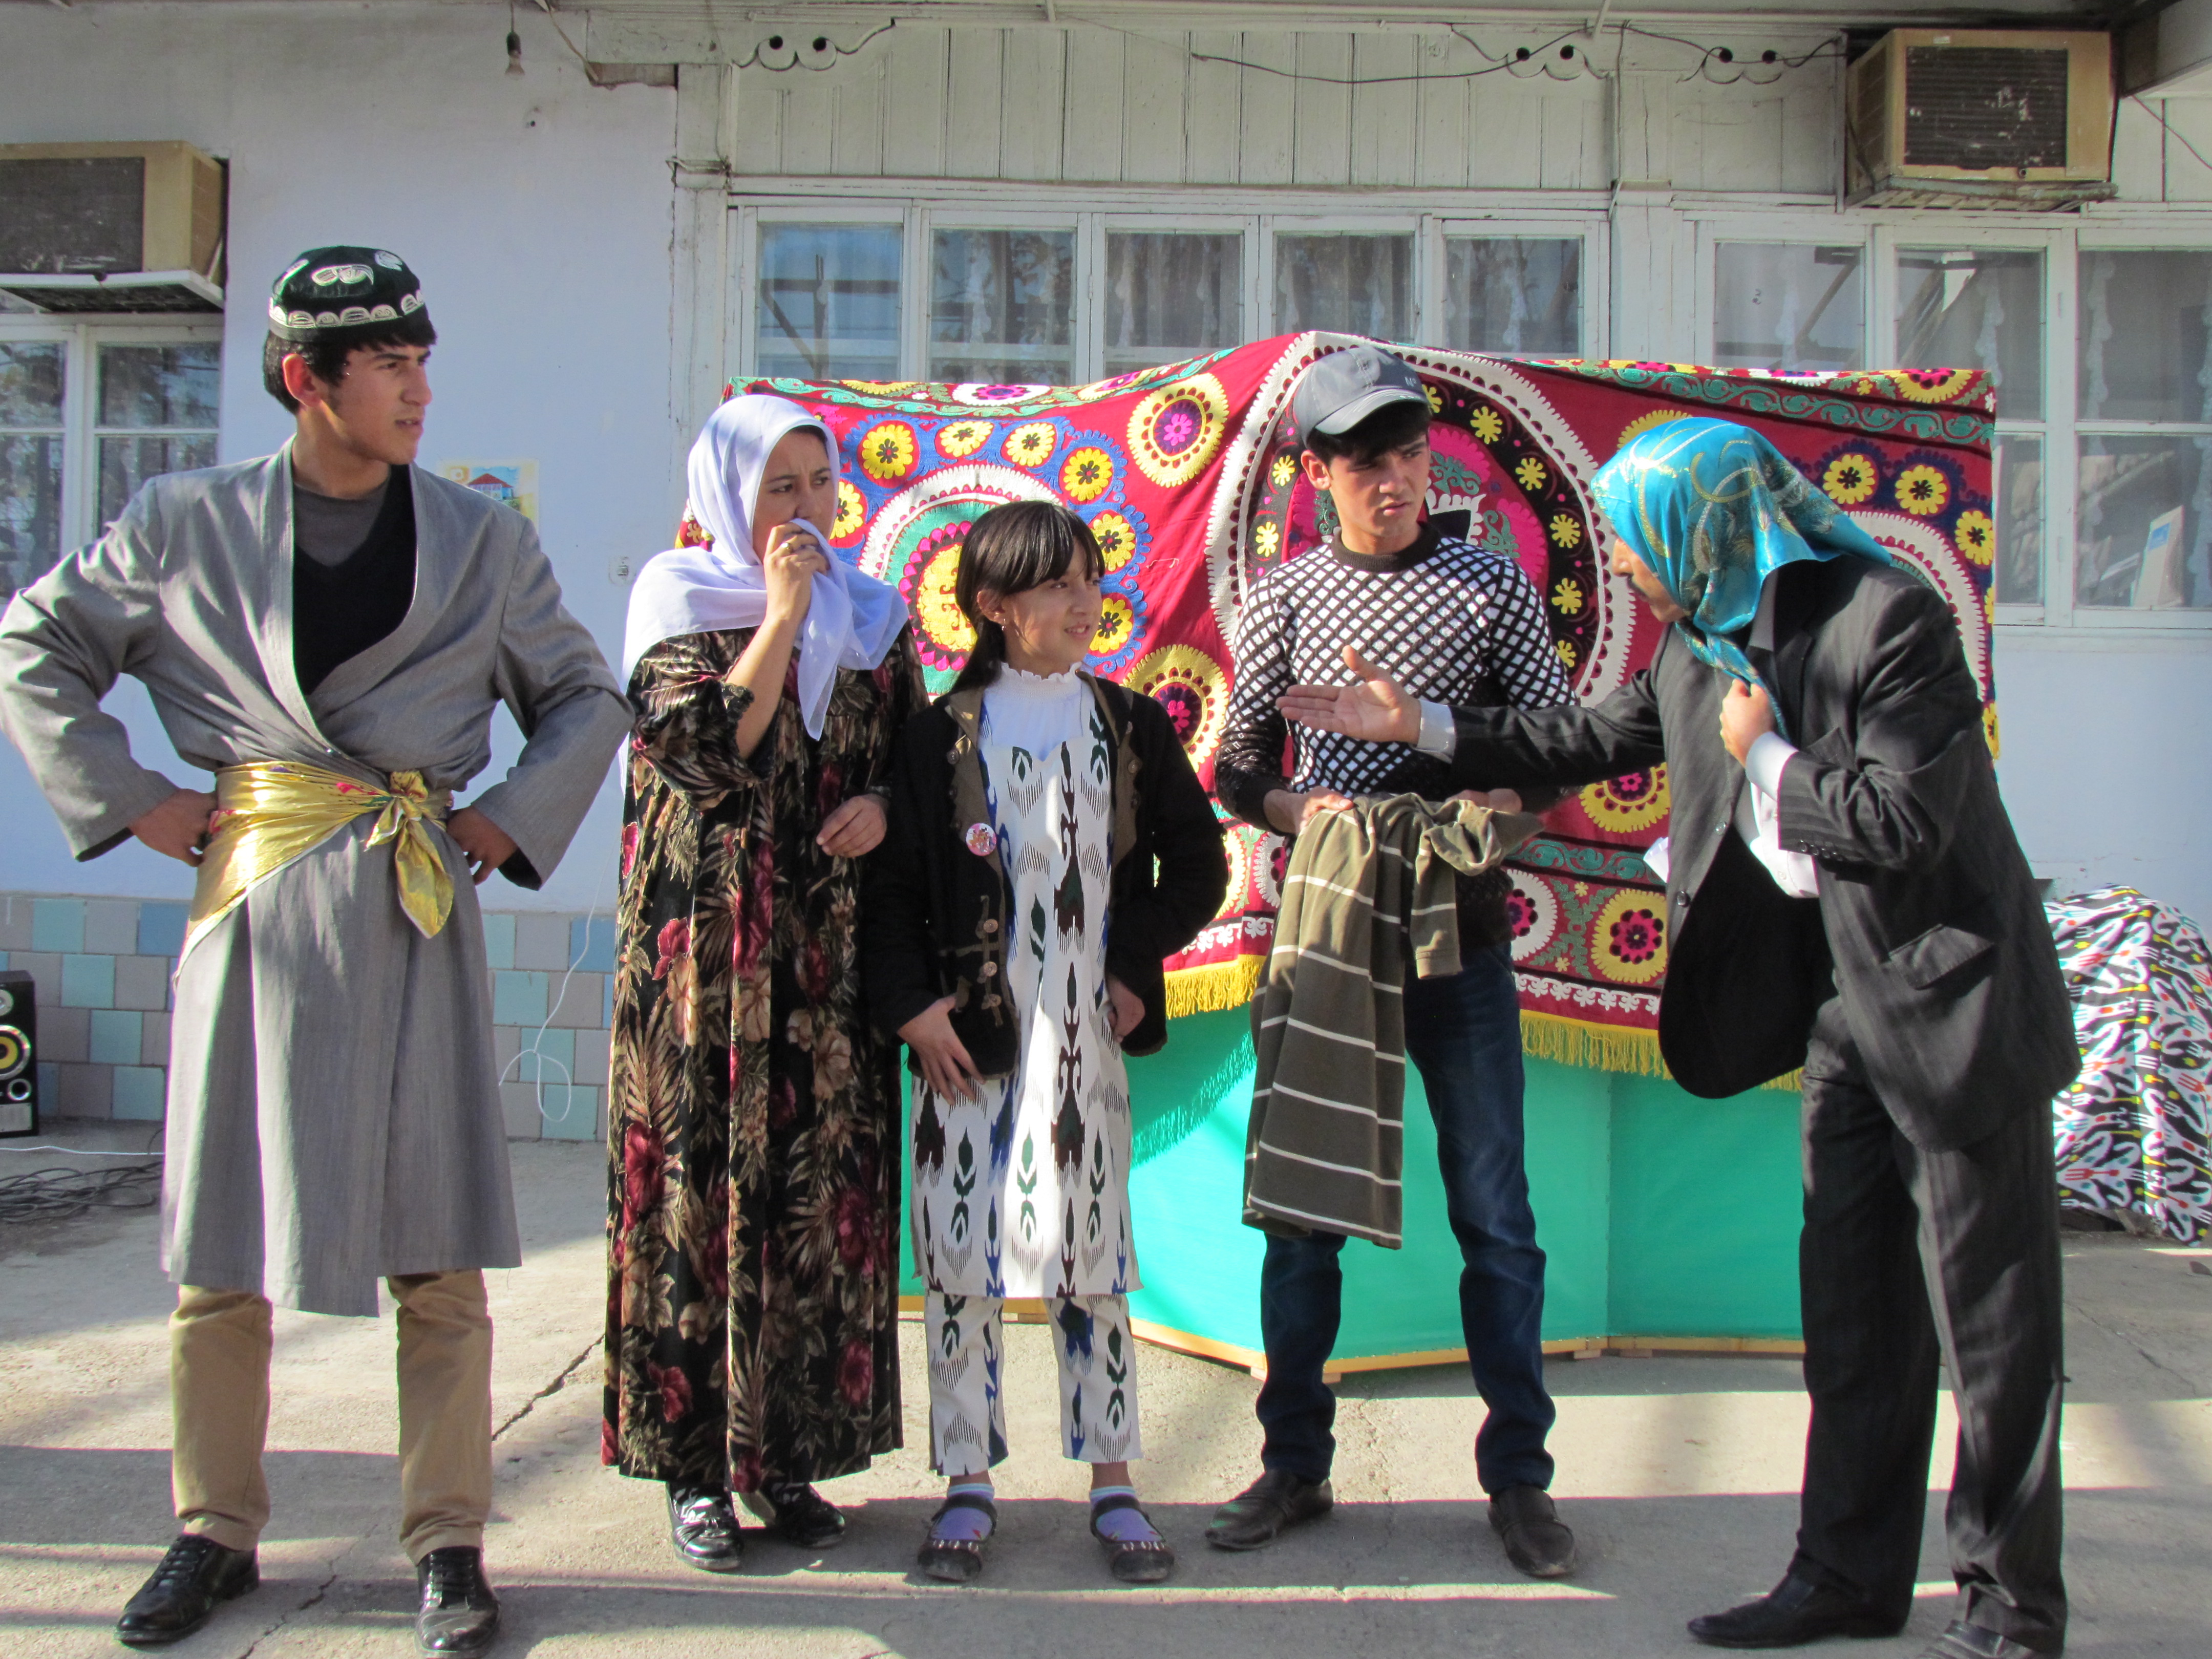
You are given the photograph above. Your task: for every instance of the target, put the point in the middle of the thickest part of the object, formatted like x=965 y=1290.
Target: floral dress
x=753 y=1167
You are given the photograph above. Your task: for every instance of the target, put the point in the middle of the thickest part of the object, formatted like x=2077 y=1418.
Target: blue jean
x=1464 y=1034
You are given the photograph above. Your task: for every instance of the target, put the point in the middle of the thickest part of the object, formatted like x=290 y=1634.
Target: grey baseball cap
x=1344 y=388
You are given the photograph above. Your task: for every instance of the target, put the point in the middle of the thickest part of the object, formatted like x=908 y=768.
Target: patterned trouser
x=1097 y=1380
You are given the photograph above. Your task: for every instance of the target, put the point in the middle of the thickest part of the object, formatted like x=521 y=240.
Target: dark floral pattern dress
x=753 y=1131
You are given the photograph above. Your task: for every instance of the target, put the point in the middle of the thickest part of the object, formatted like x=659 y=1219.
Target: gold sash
x=270 y=812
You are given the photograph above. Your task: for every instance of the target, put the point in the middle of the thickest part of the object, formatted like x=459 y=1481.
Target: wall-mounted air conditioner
x=109 y=227
x=2013 y=118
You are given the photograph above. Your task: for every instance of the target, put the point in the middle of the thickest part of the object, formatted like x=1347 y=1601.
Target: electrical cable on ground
x=60 y=1193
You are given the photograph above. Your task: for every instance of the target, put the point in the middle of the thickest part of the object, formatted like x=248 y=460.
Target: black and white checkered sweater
x=1449 y=621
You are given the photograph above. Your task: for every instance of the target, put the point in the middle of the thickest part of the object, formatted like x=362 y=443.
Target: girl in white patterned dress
x=1016 y=948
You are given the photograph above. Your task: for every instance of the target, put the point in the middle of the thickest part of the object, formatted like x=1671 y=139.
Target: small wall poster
x=511 y=484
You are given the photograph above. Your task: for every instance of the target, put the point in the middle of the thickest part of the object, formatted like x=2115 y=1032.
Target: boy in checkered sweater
x=1454 y=624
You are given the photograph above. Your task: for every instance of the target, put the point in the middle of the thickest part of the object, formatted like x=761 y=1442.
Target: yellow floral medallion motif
x=964 y=438
x=1565 y=532
x=1117 y=539
x=1990 y=729
x=1267 y=540
x=1175 y=429
x=1191 y=687
x=1086 y=474
x=1567 y=597
x=1282 y=470
x=1977 y=537
x=852 y=511
x=935 y=608
x=1628 y=939
x=1849 y=479
x=879 y=388
x=1116 y=618
x=1628 y=804
x=1488 y=425
x=1923 y=491
x=1031 y=443
x=1930 y=387
x=1643 y=423
x=1531 y=473
x=887 y=453
x=1566 y=650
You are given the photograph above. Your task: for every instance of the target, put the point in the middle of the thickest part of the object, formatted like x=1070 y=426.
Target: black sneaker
x=797 y=1514
x=459 y=1614
x=704 y=1528
x=195 y=1577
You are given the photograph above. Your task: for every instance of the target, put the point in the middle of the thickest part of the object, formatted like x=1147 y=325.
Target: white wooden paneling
x=914 y=70
x=1270 y=110
x=1505 y=150
x=973 y=104
x=1033 y=129
x=1154 y=97
x=1213 y=111
x=1094 y=105
x=1440 y=114
x=856 y=136
x=809 y=122
x=1386 y=115
x=1320 y=140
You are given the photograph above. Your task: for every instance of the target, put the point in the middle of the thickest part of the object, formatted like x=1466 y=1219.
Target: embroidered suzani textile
x=1188 y=474
x=2133 y=1128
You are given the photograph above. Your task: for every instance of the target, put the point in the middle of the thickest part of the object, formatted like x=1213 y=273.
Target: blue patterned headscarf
x=1714 y=509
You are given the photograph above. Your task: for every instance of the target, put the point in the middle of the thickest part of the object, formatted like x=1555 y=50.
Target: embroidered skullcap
x=332 y=293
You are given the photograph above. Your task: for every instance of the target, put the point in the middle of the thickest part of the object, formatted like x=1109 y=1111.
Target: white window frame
x=82 y=337
x=1165 y=212
x=1805 y=229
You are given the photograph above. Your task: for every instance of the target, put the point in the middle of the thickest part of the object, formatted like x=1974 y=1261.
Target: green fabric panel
x=1707 y=1199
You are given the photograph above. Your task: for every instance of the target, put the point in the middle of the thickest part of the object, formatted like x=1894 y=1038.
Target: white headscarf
x=852 y=620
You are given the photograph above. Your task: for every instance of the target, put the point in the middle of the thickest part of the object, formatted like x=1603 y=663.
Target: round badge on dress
x=980 y=840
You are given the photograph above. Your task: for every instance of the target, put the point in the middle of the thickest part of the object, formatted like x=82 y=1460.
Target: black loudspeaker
x=19 y=1065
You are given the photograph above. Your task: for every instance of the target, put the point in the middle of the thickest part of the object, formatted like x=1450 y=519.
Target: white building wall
x=537 y=212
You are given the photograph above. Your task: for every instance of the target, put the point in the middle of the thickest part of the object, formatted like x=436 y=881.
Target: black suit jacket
x=1927 y=912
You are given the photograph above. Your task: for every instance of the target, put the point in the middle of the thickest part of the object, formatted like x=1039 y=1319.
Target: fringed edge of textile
x=1213 y=988
x=1609 y=1049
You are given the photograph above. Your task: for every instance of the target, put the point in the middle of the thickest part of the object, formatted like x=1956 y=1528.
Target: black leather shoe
x=195 y=1577
x=1795 y=1612
x=1253 y=1519
x=459 y=1614
x=797 y=1514
x=1536 y=1540
x=1961 y=1640
x=704 y=1528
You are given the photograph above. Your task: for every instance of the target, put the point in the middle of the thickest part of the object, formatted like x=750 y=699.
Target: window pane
x=2019 y=494
x=1002 y=307
x=1975 y=308
x=126 y=463
x=830 y=302
x=160 y=385
x=1170 y=297
x=2146 y=507
x=1350 y=284
x=30 y=508
x=30 y=384
x=2142 y=333
x=1788 y=306
x=1514 y=295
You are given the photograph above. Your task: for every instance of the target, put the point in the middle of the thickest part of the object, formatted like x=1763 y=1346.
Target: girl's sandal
x=1133 y=1561
x=955 y=1560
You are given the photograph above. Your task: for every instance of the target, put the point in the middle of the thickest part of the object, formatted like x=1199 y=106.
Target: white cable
x=77 y=1151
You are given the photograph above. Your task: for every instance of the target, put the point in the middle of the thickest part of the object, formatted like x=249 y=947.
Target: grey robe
x=333 y=1113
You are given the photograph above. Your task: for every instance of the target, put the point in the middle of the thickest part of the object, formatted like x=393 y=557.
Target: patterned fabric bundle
x=1187 y=475
x=2133 y=1128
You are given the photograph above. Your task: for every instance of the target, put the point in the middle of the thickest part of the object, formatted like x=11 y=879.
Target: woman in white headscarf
x=754 y=1151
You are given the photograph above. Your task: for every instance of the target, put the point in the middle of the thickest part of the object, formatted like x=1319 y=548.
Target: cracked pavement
x=1678 y=1473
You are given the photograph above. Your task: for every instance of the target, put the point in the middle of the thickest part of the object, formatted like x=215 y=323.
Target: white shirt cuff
x=1439 y=734
x=1763 y=764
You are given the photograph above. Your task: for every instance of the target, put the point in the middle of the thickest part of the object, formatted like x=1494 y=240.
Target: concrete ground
x=1678 y=1473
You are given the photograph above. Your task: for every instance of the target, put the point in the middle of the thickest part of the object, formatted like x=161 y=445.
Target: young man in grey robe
x=327 y=630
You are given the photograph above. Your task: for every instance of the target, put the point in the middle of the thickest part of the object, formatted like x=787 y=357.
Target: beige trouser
x=219 y=1350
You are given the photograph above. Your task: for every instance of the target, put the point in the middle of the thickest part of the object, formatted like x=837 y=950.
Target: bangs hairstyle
x=1391 y=427
x=327 y=359
x=1010 y=550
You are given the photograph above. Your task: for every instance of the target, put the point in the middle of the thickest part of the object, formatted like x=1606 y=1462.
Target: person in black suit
x=1844 y=893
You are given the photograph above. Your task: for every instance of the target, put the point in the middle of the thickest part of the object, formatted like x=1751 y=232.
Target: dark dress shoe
x=797 y=1514
x=1961 y=1640
x=1536 y=1540
x=704 y=1528
x=1795 y=1612
x=195 y=1577
x=1256 y=1517
x=459 y=1614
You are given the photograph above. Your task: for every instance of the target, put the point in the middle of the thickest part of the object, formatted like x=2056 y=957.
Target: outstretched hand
x=1375 y=706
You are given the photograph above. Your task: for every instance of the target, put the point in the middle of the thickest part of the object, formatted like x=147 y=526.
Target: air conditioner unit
x=107 y=227
x=2008 y=118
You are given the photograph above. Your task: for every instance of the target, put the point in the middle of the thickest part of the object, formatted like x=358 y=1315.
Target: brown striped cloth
x=1367 y=890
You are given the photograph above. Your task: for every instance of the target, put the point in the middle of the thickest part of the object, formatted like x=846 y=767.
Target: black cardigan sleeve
x=1160 y=912
x=895 y=956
